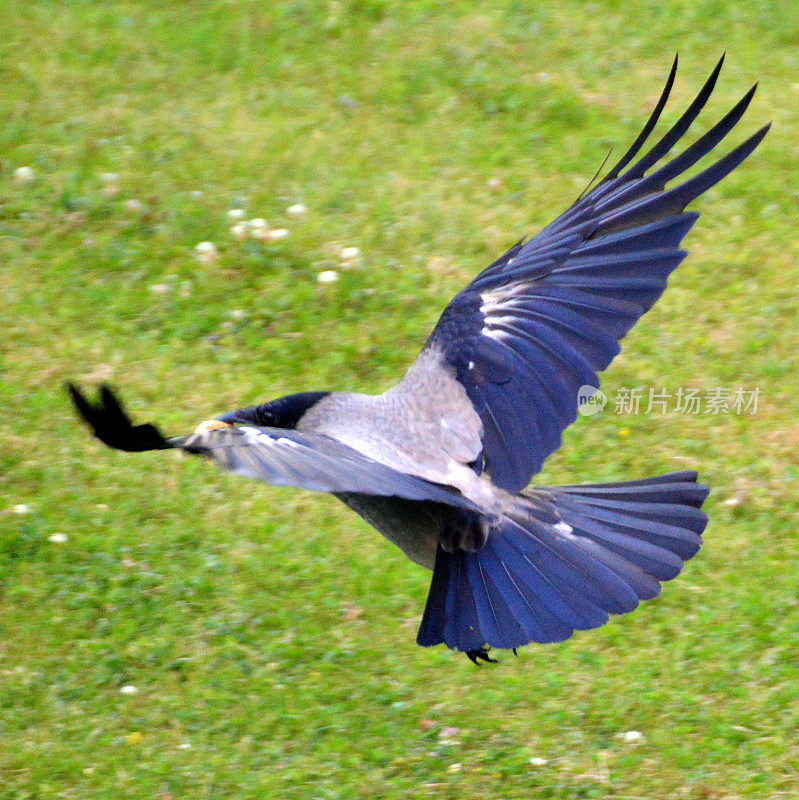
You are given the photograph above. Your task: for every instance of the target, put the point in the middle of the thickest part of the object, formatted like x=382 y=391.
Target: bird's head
x=284 y=412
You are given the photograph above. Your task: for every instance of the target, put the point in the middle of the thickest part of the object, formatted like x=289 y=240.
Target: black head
x=285 y=412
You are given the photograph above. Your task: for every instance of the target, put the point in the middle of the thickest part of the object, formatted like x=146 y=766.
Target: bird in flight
x=440 y=463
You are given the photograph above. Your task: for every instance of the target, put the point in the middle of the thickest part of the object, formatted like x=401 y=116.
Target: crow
x=440 y=463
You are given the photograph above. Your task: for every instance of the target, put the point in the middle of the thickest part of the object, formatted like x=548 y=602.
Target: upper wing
x=541 y=321
x=277 y=456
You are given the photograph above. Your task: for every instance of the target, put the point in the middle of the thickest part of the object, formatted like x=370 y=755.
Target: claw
x=480 y=654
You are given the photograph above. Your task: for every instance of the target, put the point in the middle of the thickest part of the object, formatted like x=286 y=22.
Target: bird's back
x=425 y=425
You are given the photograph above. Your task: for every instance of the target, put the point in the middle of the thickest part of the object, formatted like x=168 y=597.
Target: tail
x=564 y=559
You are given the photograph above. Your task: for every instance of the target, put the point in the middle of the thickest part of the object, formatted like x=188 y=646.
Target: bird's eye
x=262 y=416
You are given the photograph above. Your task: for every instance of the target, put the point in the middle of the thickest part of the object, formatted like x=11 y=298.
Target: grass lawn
x=269 y=634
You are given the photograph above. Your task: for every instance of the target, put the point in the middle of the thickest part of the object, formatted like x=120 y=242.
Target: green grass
x=270 y=633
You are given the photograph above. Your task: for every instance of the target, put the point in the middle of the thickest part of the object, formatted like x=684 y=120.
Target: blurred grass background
x=269 y=633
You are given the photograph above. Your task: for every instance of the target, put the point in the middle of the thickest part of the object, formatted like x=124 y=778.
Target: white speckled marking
x=496 y=335
x=564 y=528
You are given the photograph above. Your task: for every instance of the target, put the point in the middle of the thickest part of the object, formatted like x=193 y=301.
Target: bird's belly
x=414 y=526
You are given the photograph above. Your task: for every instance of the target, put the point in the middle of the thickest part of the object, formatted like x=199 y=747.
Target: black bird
x=439 y=463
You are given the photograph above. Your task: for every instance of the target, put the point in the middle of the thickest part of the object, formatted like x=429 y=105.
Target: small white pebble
x=259 y=229
x=297 y=210
x=236 y=214
x=493 y=184
x=57 y=538
x=195 y=194
x=737 y=499
x=160 y=288
x=632 y=737
x=240 y=230
x=110 y=184
x=538 y=762
x=453 y=768
x=184 y=746
x=133 y=205
x=349 y=253
x=237 y=315
x=22 y=508
x=277 y=234
x=23 y=175
x=128 y=689
x=206 y=252
x=327 y=276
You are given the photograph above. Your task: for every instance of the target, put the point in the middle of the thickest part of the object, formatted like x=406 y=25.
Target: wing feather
x=538 y=324
x=278 y=456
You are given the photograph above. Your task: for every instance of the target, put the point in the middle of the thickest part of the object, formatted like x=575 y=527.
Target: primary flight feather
x=440 y=462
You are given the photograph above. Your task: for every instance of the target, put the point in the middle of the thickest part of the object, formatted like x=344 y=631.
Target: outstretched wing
x=274 y=455
x=545 y=318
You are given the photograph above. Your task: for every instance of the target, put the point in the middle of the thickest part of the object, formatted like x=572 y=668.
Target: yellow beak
x=210 y=425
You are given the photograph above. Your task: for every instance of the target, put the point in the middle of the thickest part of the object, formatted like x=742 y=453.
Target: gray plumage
x=424 y=426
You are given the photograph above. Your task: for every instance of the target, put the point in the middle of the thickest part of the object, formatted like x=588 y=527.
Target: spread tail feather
x=564 y=559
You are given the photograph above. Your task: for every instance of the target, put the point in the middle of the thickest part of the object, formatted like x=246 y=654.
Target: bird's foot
x=480 y=654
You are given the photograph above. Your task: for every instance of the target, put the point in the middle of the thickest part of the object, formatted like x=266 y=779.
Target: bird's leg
x=480 y=654
x=462 y=530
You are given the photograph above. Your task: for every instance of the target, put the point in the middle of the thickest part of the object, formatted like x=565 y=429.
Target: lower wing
x=274 y=455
